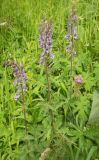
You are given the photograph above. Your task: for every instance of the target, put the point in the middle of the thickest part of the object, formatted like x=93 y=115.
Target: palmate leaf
x=94 y=114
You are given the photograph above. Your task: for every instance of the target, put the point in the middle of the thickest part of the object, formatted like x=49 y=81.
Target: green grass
x=73 y=137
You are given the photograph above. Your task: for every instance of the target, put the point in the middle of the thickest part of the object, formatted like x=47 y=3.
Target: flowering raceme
x=72 y=32
x=45 y=40
x=20 y=79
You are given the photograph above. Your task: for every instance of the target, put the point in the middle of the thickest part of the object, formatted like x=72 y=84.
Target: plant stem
x=24 y=112
x=49 y=91
x=48 y=80
x=71 y=58
x=25 y=122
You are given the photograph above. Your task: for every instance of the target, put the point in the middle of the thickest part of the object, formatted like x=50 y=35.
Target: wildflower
x=20 y=79
x=75 y=33
x=17 y=96
x=68 y=49
x=78 y=79
x=45 y=40
x=71 y=31
x=67 y=36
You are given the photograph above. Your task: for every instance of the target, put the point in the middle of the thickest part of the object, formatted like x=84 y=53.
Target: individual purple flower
x=68 y=49
x=74 y=16
x=45 y=40
x=17 y=96
x=75 y=33
x=42 y=58
x=67 y=36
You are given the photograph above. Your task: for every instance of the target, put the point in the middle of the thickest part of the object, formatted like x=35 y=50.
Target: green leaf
x=91 y=152
x=94 y=114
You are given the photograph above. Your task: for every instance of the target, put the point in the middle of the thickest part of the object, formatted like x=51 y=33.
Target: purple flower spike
x=71 y=31
x=20 y=79
x=45 y=40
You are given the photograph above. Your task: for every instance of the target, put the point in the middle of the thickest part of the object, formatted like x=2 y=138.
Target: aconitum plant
x=45 y=43
x=20 y=83
x=45 y=40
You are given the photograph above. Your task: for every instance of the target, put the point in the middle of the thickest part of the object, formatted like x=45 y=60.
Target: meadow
x=49 y=80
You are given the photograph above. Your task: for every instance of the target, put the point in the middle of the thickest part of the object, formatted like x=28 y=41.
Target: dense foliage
x=49 y=80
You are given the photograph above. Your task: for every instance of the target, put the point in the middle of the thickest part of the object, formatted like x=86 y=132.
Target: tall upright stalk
x=45 y=43
x=20 y=83
x=25 y=122
x=48 y=79
x=25 y=116
x=47 y=72
x=71 y=58
x=71 y=36
x=24 y=111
